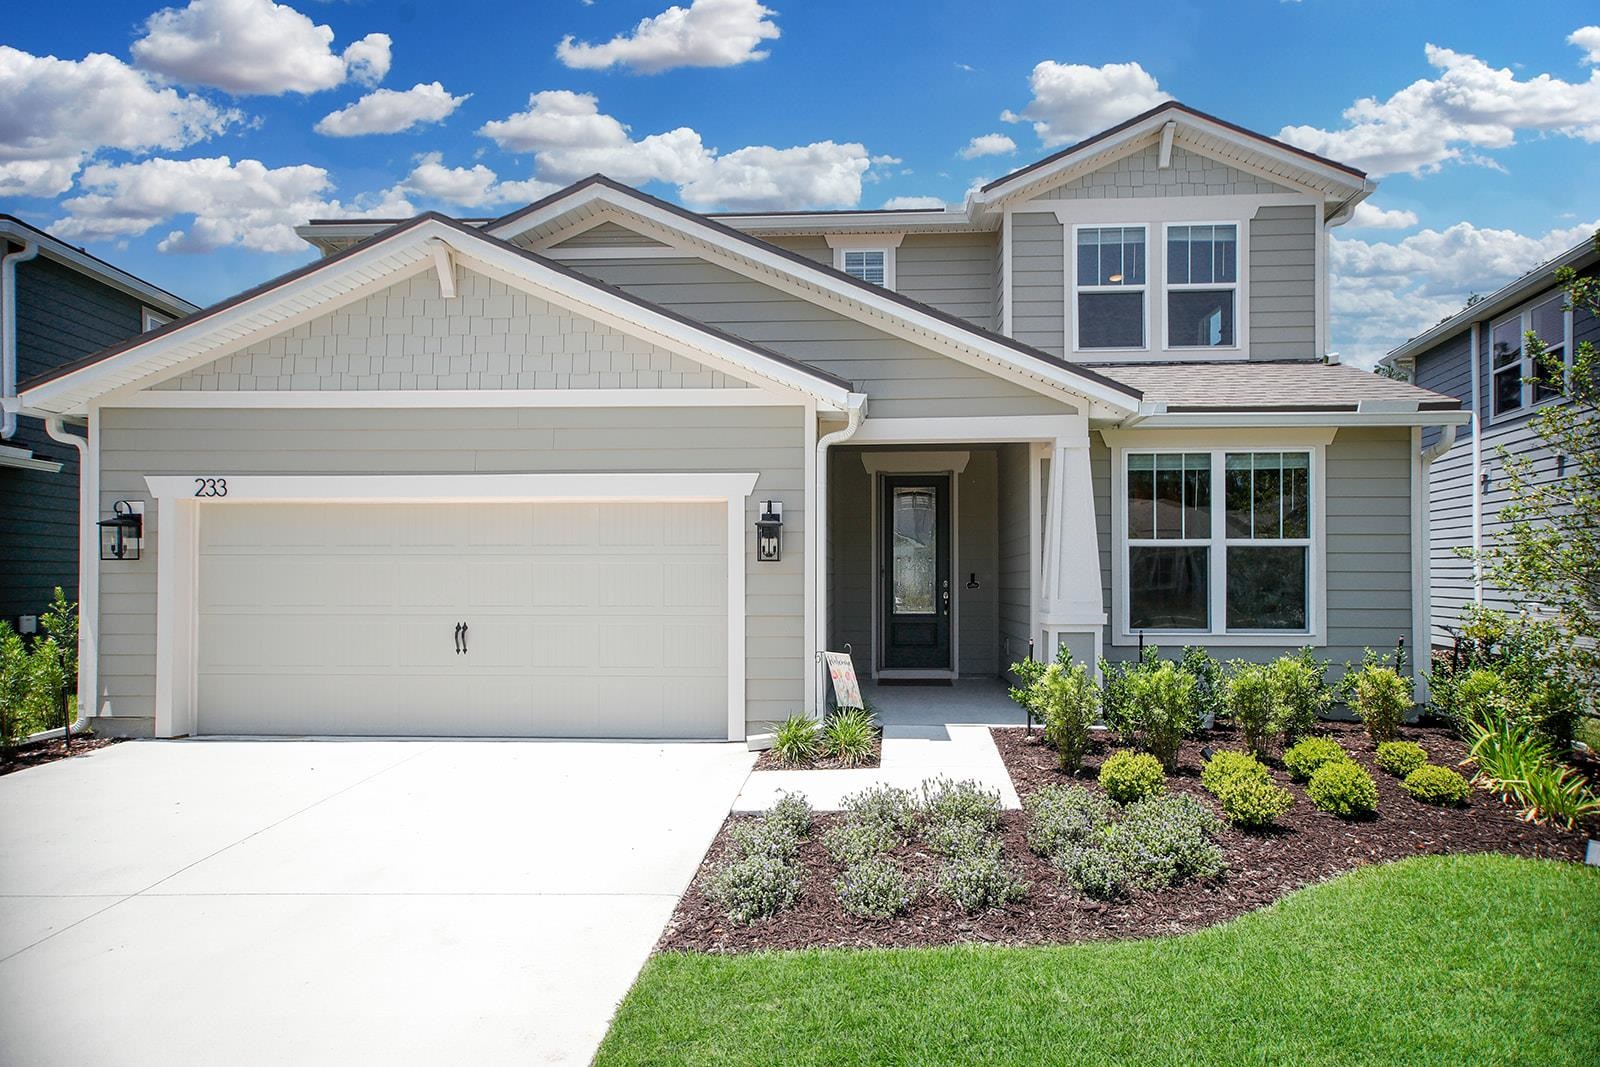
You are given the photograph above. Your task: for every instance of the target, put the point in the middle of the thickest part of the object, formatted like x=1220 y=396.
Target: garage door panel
x=357 y=584
x=562 y=584
x=554 y=525
x=692 y=584
x=501 y=583
x=631 y=585
x=428 y=583
x=693 y=525
x=638 y=525
x=696 y=646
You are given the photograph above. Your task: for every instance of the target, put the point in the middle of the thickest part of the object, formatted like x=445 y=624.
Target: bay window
x=1202 y=283
x=1110 y=287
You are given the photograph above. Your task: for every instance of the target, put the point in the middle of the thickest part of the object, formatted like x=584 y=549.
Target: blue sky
x=196 y=135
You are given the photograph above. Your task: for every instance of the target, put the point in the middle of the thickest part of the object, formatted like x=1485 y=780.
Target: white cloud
x=56 y=113
x=1588 y=39
x=1071 y=101
x=570 y=138
x=246 y=204
x=1470 y=105
x=989 y=144
x=254 y=47
x=1384 y=293
x=1369 y=217
x=900 y=203
x=475 y=186
x=708 y=33
x=390 y=111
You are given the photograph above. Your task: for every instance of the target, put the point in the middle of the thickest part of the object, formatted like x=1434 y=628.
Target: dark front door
x=914 y=578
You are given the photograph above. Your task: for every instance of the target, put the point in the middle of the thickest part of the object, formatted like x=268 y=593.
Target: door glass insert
x=915 y=551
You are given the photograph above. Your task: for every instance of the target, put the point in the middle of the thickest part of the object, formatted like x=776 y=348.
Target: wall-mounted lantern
x=123 y=533
x=769 y=532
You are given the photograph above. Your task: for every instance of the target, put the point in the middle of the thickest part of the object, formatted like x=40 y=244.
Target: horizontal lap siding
x=1015 y=599
x=1447 y=369
x=1039 y=282
x=1282 y=285
x=607 y=234
x=769 y=440
x=950 y=271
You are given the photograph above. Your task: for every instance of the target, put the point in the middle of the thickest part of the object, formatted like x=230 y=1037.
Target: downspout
x=1477 y=474
x=88 y=570
x=8 y=336
x=856 y=410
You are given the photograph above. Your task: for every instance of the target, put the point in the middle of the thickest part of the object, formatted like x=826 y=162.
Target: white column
x=1072 y=601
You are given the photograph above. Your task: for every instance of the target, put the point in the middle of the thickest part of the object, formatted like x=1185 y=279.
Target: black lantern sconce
x=769 y=532
x=123 y=533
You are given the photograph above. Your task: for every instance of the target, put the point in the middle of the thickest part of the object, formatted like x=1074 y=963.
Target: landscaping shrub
x=1303 y=759
x=1343 y=788
x=848 y=736
x=853 y=840
x=1553 y=793
x=792 y=813
x=1164 y=710
x=1517 y=665
x=1225 y=768
x=1400 y=758
x=1119 y=707
x=1433 y=784
x=1208 y=684
x=1063 y=817
x=796 y=741
x=1380 y=697
x=1165 y=840
x=874 y=888
x=765 y=837
x=1068 y=702
x=1480 y=694
x=1515 y=760
x=1303 y=694
x=1129 y=776
x=978 y=877
x=1093 y=871
x=894 y=809
x=1253 y=700
x=953 y=837
x=945 y=801
x=1251 y=803
x=754 y=887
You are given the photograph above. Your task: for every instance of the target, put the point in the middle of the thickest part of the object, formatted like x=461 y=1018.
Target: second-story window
x=1202 y=285
x=1110 y=287
x=1516 y=382
x=868 y=264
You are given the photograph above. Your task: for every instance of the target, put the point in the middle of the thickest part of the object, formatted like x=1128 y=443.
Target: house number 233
x=211 y=487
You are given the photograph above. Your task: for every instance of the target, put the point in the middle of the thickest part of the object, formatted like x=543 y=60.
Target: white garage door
x=581 y=619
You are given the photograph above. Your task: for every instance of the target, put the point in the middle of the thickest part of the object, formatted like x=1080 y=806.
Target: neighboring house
x=514 y=476
x=1468 y=486
x=58 y=304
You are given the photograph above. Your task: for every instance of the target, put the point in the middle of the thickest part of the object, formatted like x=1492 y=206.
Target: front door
x=914 y=572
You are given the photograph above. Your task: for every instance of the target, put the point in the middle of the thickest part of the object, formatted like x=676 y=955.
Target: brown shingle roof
x=1301 y=385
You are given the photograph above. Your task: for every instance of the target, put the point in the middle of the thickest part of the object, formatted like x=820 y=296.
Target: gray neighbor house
x=604 y=466
x=1478 y=356
x=57 y=304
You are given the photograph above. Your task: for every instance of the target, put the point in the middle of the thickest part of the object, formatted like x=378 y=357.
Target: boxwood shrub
x=1226 y=767
x=1130 y=776
x=1304 y=758
x=1252 y=804
x=1433 y=784
x=1343 y=788
x=1400 y=758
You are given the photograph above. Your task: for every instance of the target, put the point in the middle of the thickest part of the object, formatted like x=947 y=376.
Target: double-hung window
x=1110 y=282
x=1239 y=565
x=1202 y=284
x=1516 y=381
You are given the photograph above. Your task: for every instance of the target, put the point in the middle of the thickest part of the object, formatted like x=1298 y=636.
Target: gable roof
x=14 y=230
x=280 y=303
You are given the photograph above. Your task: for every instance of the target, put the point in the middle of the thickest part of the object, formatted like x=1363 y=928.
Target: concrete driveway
x=243 y=902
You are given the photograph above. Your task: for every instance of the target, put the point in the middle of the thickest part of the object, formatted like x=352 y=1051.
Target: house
x=1478 y=356
x=57 y=304
x=604 y=466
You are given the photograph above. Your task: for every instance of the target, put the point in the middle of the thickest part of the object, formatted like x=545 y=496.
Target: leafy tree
x=60 y=621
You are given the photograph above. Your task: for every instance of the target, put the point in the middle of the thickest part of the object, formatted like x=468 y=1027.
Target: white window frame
x=1074 y=289
x=149 y=319
x=1523 y=316
x=883 y=243
x=1236 y=286
x=1313 y=443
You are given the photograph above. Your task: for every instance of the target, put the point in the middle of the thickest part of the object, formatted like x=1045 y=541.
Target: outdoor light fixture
x=769 y=532
x=122 y=534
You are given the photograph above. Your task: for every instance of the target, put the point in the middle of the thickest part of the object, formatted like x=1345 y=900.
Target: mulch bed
x=768 y=761
x=1307 y=846
x=49 y=751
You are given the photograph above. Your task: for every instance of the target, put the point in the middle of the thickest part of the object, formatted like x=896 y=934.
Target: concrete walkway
x=928 y=731
x=338 y=902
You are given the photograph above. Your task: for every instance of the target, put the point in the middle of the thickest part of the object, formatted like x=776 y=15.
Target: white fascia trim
x=459 y=398
x=105 y=272
x=1290 y=419
x=903 y=321
x=24 y=459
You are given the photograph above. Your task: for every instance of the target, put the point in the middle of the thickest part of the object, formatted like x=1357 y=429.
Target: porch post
x=1073 y=606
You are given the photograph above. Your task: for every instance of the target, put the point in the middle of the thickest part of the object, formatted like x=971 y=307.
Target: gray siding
x=605 y=235
x=1039 y=282
x=850 y=580
x=808 y=245
x=491 y=336
x=1140 y=174
x=1369 y=578
x=953 y=272
x=977 y=556
x=902 y=378
x=1015 y=606
x=151 y=441
x=1283 y=283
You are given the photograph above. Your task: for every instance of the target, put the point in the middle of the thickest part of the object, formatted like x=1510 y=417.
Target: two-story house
x=604 y=466
x=1479 y=356
x=57 y=304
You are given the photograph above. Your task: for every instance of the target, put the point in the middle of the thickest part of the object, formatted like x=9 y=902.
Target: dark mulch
x=1308 y=846
x=768 y=761
x=49 y=751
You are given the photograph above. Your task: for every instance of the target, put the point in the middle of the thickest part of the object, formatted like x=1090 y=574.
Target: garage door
x=580 y=619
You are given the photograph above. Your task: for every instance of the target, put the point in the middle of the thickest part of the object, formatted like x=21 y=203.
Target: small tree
x=60 y=621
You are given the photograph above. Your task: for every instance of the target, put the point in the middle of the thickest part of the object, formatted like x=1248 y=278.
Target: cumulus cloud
x=901 y=203
x=1588 y=39
x=570 y=137
x=246 y=204
x=254 y=47
x=1469 y=106
x=56 y=113
x=989 y=144
x=1071 y=101
x=391 y=111
x=707 y=33
x=1384 y=293
x=475 y=186
x=1369 y=217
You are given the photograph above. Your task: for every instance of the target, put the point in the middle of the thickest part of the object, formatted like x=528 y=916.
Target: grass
x=1440 y=960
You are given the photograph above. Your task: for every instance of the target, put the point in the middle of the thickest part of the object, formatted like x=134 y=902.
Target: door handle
x=459 y=626
x=463 y=637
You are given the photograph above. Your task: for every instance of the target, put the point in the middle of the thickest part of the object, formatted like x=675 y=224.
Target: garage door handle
x=459 y=627
x=463 y=637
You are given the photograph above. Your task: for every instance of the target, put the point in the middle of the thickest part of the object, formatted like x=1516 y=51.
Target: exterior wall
x=1369 y=579
x=1283 y=283
x=139 y=442
x=1039 y=281
x=810 y=246
x=977 y=556
x=61 y=316
x=903 y=379
x=1015 y=606
x=491 y=336
x=604 y=235
x=1140 y=174
x=851 y=586
x=953 y=272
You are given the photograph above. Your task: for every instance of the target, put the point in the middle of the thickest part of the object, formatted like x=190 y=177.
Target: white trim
x=444 y=267
x=1255 y=439
x=23 y=459
x=868 y=241
x=915 y=462
x=1074 y=288
x=1295 y=419
x=457 y=398
x=1475 y=378
x=1236 y=287
x=1005 y=272
x=149 y=319
x=994 y=429
x=841 y=259
x=1524 y=367
x=81 y=261
x=880 y=575
x=1164 y=154
x=1421 y=565
x=178 y=512
x=812 y=539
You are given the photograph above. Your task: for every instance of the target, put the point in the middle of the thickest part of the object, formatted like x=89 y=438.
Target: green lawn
x=1455 y=960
